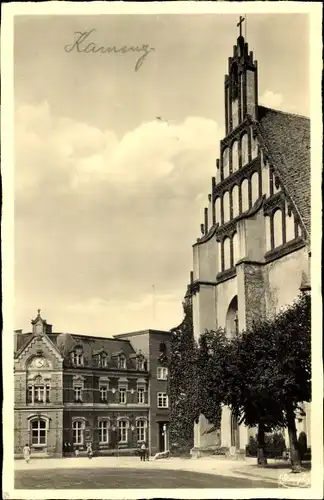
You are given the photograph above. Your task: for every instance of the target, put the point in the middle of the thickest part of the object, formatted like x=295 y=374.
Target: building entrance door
x=163 y=436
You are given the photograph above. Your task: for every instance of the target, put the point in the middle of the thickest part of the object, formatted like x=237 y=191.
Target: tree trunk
x=261 y=457
x=293 y=441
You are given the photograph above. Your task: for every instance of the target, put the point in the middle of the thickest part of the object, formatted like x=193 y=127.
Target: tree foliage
x=183 y=381
x=263 y=374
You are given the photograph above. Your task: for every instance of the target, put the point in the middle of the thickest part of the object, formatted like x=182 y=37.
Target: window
x=122 y=395
x=255 y=187
x=78 y=427
x=226 y=207
x=225 y=163
x=290 y=226
x=140 y=364
x=141 y=430
x=39 y=393
x=245 y=195
x=140 y=395
x=277 y=228
x=162 y=400
x=245 y=149
x=78 y=389
x=122 y=362
x=103 y=360
x=268 y=233
x=227 y=253
x=236 y=201
x=38 y=432
x=235 y=157
x=123 y=431
x=254 y=144
x=235 y=249
x=218 y=210
x=103 y=389
x=77 y=358
x=162 y=373
x=104 y=431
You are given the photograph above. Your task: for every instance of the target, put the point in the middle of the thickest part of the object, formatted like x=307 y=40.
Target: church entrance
x=235 y=433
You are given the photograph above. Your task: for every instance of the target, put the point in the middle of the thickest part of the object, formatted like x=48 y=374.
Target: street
x=135 y=478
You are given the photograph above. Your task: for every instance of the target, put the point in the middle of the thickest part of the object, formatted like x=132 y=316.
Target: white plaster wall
x=284 y=277
x=224 y=293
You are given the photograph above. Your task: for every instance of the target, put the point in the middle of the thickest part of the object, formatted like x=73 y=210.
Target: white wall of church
x=265 y=178
x=284 y=277
x=244 y=149
x=224 y=294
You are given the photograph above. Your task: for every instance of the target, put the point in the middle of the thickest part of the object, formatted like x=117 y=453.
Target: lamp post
x=165 y=437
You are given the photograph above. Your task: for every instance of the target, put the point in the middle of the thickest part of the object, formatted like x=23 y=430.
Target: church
x=253 y=254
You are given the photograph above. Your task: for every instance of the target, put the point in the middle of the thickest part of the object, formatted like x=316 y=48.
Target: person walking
x=27 y=453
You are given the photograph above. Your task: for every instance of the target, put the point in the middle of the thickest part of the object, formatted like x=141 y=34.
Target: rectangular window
x=162 y=400
x=78 y=392
x=103 y=431
x=123 y=431
x=141 y=395
x=141 y=427
x=38 y=433
x=103 y=389
x=122 y=395
x=162 y=373
x=77 y=359
x=39 y=393
x=30 y=394
x=47 y=393
x=78 y=432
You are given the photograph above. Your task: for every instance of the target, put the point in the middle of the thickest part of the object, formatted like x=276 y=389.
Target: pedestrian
x=143 y=452
x=89 y=451
x=76 y=452
x=27 y=452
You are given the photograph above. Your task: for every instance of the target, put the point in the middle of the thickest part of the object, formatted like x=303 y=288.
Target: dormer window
x=122 y=362
x=141 y=364
x=103 y=360
x=77 y=357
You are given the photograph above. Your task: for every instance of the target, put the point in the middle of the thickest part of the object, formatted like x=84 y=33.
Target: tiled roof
x=67 y=341
x=286 y=138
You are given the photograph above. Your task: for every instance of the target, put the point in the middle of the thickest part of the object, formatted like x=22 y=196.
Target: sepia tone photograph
x=162 y=294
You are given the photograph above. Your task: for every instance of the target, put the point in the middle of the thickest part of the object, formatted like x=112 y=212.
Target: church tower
x=241 y=86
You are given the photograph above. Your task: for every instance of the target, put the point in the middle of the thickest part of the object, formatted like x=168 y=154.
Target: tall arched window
x=219 y=257
x=78 y=432
x=104 y=426
x=290 y=226
x=141 y=426
x=255 y=187
x=268 y=233
x=217 y=176
x=38 y=430
x=225 y=163
x=227 y=253
x=123 y=426
x=265 y=180
x=218 y=210
x=245 y=195
x=254 y=147
x=236 y=201
x=277 y=228
x=226 y=206
x=235 y=249
x=245 y=149
x=232 y=327
x=235 y=156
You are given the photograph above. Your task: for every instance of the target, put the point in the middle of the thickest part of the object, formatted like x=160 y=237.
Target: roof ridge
x=284 y=112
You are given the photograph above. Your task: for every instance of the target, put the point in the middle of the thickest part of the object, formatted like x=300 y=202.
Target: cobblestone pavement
x=275 y=473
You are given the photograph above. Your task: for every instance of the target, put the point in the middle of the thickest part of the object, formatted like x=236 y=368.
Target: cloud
x=271 y=99
x=103 y=216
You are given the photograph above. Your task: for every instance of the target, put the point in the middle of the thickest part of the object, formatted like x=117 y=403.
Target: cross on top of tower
x=239 y=24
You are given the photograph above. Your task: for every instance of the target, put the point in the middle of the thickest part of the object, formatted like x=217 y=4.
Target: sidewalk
x=274 y=473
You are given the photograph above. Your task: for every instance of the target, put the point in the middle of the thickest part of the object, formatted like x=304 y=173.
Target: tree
x=263 y=374
x=182 y=387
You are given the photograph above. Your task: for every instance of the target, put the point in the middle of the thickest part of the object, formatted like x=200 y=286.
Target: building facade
x=77 y=389
x=253 y=256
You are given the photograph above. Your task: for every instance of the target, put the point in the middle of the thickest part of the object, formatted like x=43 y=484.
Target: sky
x=108 y=198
